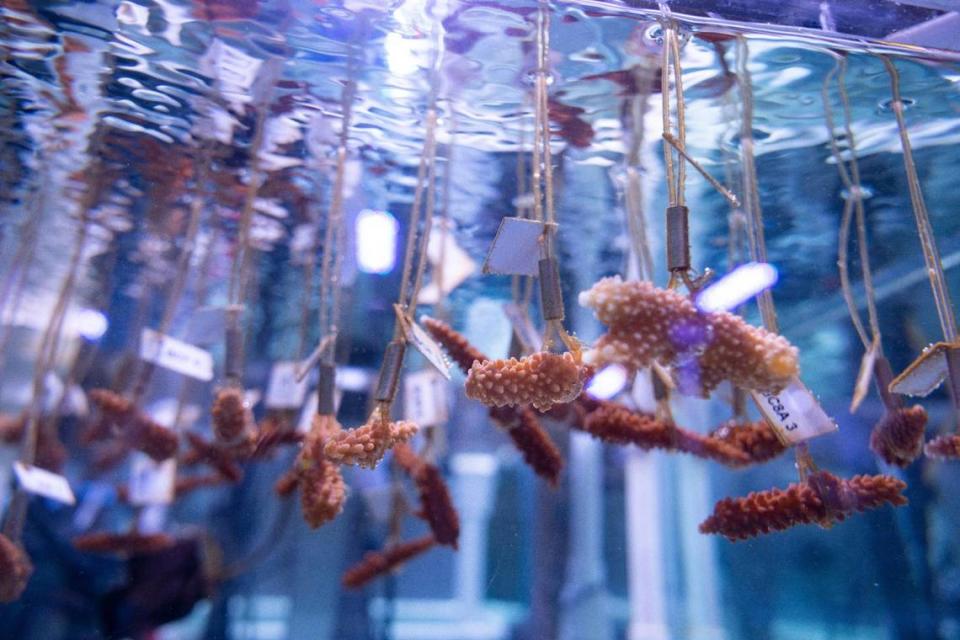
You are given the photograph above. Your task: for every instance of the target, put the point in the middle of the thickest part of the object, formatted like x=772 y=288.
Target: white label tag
x=924 y=374
x=423 y=342
x=794 y=414
x=151 y=482
x=176 y=355
x=644 y=399
x=284 y=391
x=862 y=387
x=457 y=265
x=523 y=328
x=425 y=398
x=516 y=248
x=44 y=483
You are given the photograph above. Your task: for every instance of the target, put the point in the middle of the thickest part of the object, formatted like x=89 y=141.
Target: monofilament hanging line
x=633 y=191
x=853 y=207
x=931 y=255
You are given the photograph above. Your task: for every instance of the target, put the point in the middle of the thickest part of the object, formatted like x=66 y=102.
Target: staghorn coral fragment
x=377 y=563
x=231 y=416
x=152 y=438
x=823 y=499
x=15 y=570
x=136 y=429
x=455 y=344
x=532 y=440
x=542 y=379
x=221 y=459
x=521 y=423
x=287 y=483
x=366 y=445
x=756 y=439
x=51 y=453
x=124 y=543
x=322 y=492
x=647 y=324
x=898 y=437
x=273 y=432
x=944 y=447
x=616 y=424
x=436 y=505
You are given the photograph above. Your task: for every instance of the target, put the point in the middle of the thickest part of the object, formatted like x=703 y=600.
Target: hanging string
x=633 y=193
x=931 y=255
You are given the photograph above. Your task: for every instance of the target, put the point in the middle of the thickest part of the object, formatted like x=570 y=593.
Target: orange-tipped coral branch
x=898 y=436
x=647 y=324
x=455 y=344
x=823 y=499
x=123 y=543
x=15 y=569
x=436 y=505
x=365 y=446
x=378 y=563
x=542 y=379
x=945 y=447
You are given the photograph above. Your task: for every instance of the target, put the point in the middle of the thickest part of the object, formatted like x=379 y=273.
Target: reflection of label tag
x=310 y=410
x=924 y=374
x=793 y=413
x=176 y=355
x=423 y=342
x=151 y=482
x=516 y=248
x=862 y=387
x=523 y=328
x=284 y=391
x=457 y=265
x=44 y=483
x=425 y=398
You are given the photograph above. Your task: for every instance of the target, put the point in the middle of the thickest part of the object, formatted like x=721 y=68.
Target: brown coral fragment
x=823 y=499
x=366 y=445
x=377 y=563
x=136 y=429
x=455 y=344
x=647 y=324
x=436 y=505
x=322 y=492
x=756 y=439
x=221 y=459
x=542 y=379
x=231 y=416
x=15 y=569
x=898 y=436
x=133 y=543
x=532 y=440
x=945 y=447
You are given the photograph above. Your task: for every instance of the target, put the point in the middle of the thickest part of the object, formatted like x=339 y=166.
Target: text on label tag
x=176 y=355
x=284 y=391
x=794 y=413
x=44 y=483
x=425 y=398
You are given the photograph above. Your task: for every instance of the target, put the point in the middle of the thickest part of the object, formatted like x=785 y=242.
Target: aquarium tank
x=479 y=319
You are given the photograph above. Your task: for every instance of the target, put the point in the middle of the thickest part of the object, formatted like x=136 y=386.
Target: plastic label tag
x=924 y=374
x=207 y=325
x=44 y=483
x=516 y=248
x=423 y=342
x=285 y=391
x=176 y=355
x=523 y=328
x=457 y=265
x=151 y=482
x=862 y=387
x=644 y=398
x=425 y=398
x=794 y=413
x=94 y=499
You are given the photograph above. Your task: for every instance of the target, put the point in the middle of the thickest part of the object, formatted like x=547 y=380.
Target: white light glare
x=608 y=382
x=376 y=241
x=90 y=323
x=737 y=287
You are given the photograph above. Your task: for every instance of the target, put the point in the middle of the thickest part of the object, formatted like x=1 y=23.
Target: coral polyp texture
x=436 y=505
x=15 y=569
x=123 y=543
x=898 y=436
x=822 y=499
x=945 y=447
x=322 y=491
x=230 y=414
x=211 y=454
x=542 y=379
x=647 y=324
x=377 y=563
x=366 y=445
x=616 y=424
x=456 y=345
x=755 y=439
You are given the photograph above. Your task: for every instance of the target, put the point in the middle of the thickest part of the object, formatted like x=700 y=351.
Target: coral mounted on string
x=756 y=440
x=378 y=563
x=366 y=445
x=646 y=324
x=15 y=569
x=136 y=429
x=231 y=415
x=323 y=491
x=898 y=436
x=436 y=505
x=822 y=499
x=542 y=379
